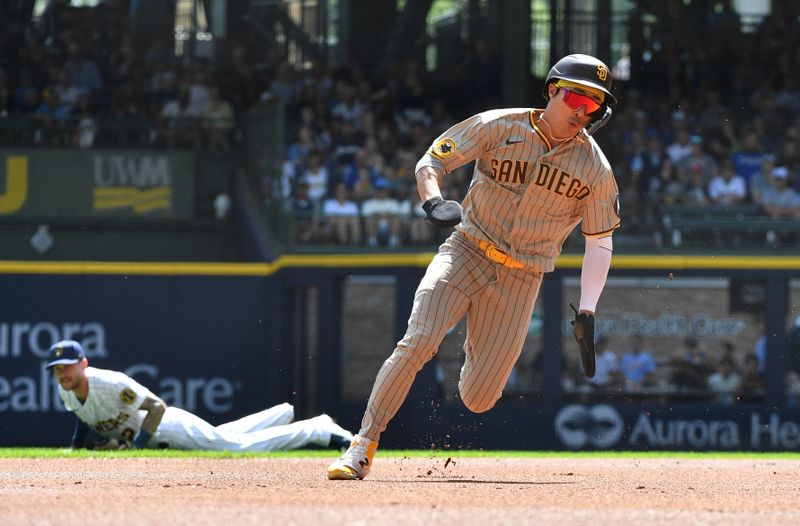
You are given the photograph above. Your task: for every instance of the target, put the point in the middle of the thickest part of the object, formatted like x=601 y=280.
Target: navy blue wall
x=225 y=345
x=201 y=342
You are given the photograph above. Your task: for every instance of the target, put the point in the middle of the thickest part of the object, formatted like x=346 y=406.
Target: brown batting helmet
x=581 y=69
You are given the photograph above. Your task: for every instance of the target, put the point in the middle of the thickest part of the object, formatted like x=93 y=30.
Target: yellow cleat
x=356 y=462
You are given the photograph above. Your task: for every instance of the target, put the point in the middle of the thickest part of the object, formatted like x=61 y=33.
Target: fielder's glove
x=442 y=213
x=584 y=335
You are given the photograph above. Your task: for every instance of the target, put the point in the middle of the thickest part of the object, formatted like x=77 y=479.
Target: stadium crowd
x=692 y=373
x=684 y=131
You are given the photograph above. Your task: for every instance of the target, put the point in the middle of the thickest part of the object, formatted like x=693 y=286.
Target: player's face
x=69 y=376
x=571 y=108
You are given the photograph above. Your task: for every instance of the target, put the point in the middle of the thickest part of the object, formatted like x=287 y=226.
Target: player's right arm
x=429 y=182
x=461 y=143
x=155 y=408
x=457 y=146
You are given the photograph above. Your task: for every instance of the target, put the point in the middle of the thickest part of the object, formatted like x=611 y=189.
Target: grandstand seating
x=724 y=225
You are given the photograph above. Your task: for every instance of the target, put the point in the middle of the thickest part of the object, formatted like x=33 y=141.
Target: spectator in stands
x=341 y=218
x=305 y=215
x=83 y=71
x=199 y=89
x=779 y=200
x=693 y=353
x=691 y=369
x=349 y=108
x=751 y=386
x=669 y=186
x=299 y=150
x=52 y=118
x=175 y=121
x=285 y=86
x=388 y=140
x=607 y=373
x=346 y=140
x=26 y=96
x=687 y=379
x=85 y=128
x=681 y=147
x=697 y=160
x=761 y=180
x=316 y=175
x=711 y=110
x=125 y=63
x=419 y=231
x=318 y=124
x=721 y=139
x=695 y=189
x=637 y=366
x=727 y=352
x=748 y=160
x=360 y=175
x=724 y=382
x=65 y=91
x=162 y=86
x=382 y=216
x=645 y=162
x=218 y=121
x=727 y=187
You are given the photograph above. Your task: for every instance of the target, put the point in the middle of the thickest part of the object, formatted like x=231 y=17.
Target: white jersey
x=112 y=410
x=112 y=406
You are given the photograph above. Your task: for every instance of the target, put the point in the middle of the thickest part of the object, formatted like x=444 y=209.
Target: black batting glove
x=584 y=335
x=442 y=213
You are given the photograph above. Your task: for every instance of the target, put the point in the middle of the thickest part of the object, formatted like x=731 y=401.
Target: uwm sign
x=79 y=183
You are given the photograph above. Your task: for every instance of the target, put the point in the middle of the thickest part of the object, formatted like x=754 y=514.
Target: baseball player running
x=118 y=408
x=538 y=174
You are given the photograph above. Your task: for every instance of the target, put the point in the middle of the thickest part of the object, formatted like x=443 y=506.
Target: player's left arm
x=155 y=408
x=600 y=218
x=594 y=271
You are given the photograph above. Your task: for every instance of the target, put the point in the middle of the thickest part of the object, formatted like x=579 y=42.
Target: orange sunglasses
x=575 y=100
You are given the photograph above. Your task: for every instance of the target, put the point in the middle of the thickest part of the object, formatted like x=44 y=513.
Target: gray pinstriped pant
x=498 y=302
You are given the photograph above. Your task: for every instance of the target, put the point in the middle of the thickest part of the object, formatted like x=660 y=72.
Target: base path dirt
x=460 y=491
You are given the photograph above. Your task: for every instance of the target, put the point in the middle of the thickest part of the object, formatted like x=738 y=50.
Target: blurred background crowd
x=686 y=131
x=706 y=132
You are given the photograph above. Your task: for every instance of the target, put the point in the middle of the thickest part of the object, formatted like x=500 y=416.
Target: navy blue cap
x=65 y=352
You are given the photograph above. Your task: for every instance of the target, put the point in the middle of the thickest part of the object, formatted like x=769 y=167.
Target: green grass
x=318 y=453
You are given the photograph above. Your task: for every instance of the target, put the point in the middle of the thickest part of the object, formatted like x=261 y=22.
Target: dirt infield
x=462 y=491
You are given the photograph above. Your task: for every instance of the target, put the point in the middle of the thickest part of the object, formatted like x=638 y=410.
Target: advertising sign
x=604 y=426
x=96 y=183
x=196 y=341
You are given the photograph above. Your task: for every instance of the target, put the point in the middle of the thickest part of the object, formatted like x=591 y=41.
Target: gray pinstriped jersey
x=526 y=197
x=112 y=405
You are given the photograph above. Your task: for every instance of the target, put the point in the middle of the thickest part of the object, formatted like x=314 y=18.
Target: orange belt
x=494 y=253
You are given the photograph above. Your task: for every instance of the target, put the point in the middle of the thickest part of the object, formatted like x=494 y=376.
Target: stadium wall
x=224 y=340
